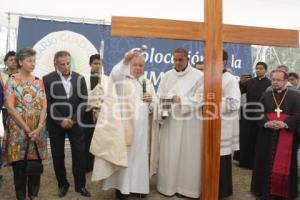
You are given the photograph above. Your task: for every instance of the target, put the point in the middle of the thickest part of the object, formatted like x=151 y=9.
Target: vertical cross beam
x=212 y=97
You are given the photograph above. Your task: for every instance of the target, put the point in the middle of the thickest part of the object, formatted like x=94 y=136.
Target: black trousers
x=225 y=185
x=89 y=157
x=4 y=116
x=89 y=132
x=21 y=180
x=57 y=143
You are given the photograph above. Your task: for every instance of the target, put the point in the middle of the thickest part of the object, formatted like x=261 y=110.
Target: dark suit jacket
x=59 y=106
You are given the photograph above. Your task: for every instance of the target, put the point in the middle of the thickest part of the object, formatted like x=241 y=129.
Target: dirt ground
x=48 y=190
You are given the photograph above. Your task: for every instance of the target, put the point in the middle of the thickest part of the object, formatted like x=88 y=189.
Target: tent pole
x=8 y=33
x=69 y=19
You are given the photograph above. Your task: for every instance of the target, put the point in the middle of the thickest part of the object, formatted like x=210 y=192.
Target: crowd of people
x=124 y=132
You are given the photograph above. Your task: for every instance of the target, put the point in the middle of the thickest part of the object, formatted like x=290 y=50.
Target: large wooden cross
x=214 y=33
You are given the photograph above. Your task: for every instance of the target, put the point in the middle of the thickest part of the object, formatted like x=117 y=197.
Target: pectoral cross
x=278 y=111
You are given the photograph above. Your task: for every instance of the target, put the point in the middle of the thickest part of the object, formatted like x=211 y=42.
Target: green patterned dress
x=28 y=96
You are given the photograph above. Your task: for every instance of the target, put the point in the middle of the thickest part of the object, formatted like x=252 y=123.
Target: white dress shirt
x=66 y=83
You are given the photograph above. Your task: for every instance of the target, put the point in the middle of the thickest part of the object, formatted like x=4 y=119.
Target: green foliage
x=275 y=56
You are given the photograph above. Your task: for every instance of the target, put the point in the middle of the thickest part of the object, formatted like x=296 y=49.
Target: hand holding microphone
x=144 y=86
x=146 y=96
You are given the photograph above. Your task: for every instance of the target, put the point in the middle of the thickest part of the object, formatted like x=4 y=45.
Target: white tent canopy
x=266 y=13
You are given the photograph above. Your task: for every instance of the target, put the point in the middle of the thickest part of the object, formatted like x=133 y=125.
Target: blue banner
x=83 y=40
x=30 y=31
x=159 y=55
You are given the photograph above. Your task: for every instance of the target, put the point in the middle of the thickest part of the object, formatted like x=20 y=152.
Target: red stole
x=282 y=161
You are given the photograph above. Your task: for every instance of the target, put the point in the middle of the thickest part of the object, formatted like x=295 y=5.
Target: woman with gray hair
x=25 y=138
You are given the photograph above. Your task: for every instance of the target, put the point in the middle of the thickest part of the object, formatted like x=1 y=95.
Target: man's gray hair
x=60 y=54
x=24 y=53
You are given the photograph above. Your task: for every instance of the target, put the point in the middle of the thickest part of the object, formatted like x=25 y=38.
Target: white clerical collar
x=182 y=73
x=280 y=91
x=63 y=77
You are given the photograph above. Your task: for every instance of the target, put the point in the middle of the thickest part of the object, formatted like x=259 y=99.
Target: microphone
x=144 y=86
x=143 y=48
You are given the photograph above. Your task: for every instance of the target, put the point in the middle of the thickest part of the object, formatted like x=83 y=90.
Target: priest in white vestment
x=121 y=138
x=180 y=134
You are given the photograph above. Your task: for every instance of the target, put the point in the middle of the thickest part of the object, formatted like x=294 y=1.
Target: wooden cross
x=278 y=111
x=214 y=33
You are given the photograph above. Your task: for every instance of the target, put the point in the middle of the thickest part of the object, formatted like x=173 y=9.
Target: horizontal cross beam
x=189 y=30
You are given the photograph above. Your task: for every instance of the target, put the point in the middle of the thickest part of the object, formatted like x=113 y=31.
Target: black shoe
x=62 y=190
x=139 y=195
x=183 y=197
x=179 y=195
x=83 y=192
x=120 y=196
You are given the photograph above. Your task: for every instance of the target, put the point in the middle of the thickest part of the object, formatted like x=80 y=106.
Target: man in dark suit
x=66 y=93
